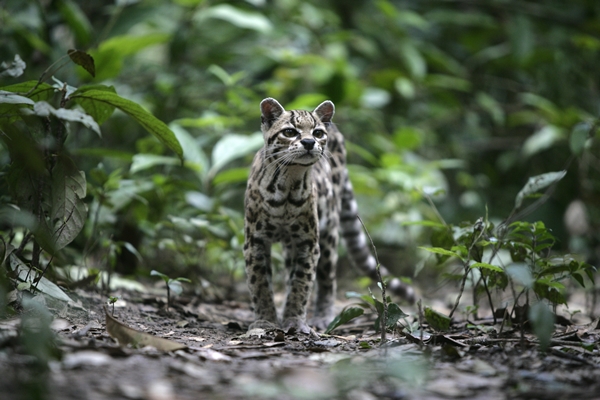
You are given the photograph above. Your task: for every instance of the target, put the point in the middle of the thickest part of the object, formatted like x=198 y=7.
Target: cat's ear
x=325 y=111
x=270 y=110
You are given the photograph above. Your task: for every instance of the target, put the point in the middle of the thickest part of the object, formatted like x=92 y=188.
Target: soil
x=220 y=360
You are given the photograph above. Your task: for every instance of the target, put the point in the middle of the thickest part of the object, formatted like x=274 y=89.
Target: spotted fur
x=299 y=194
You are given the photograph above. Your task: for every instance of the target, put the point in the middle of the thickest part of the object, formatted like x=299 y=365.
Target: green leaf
x=163 y=276
x=175 y=286
x=579 y=137
x=84 y=60
x=194 y=156
x=232 y=147
x=367 y=299
x=42 y=91
x=111 y=53
x=68 y=213
x=482 y=265
x=394 y=313
x=437 y=320
x=100 y=111
x=541 y=140
x=230 y=176
x=152 y=124
x=141 y=162
x=344 y=317
x=542 y=320
x=439 y=250
x=26 y=274
x=521 y=273
x=306 y=101
x=237 y=17
x=536 y=183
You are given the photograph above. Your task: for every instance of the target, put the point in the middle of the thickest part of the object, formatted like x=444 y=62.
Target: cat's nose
x=308 y=143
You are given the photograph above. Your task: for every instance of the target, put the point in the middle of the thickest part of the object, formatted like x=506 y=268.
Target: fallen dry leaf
x=128 y=336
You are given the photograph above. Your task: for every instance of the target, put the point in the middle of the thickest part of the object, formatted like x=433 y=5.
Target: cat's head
x=297 y=136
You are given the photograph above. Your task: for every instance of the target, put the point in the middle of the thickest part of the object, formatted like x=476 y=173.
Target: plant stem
x=384 y=317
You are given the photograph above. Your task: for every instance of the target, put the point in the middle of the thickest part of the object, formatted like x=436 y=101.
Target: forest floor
x=217 y=359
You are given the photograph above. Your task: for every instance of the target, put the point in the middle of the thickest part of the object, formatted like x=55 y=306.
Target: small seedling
x=172 y=284
x=112 y=300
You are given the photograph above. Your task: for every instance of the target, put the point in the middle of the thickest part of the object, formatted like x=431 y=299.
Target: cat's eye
x=289 y=132
x=318 y=133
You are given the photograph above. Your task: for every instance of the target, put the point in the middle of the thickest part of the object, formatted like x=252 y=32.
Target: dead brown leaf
x=129 y=336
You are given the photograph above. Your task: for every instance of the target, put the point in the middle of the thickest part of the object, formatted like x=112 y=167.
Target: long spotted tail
x=359 y=249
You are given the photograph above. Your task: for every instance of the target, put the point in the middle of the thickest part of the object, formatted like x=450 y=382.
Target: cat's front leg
x=257 y=254
x=300 y=283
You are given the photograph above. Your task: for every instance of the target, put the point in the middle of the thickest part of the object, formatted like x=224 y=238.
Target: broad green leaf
x=394 y=313
x=100 y=111
x=68 y=213
x=407 y=137
x=200 y=201
x=579 y=137
x=437 y=320
x=26 y=274
x=542 y=320
x=344 y=317
x=414 y=61
x=373 y=97
x=306 y=101
x=491 y=105
x=448 y=82
x=521 y=273
x=368 y=299
x=192 y=152
x=536 y=183
x=42 y=91
x=439 y=250
x=482 y=265
x=543 y=139
x=156 y=273
x=111 y=53
x=141 y=162
x=233 y=175
x=152 y=124
x=237 y=17
x=405 y=87
x=232 y=147
x=175 y=287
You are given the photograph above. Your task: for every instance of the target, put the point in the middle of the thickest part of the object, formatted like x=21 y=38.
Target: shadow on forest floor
x=221 y=361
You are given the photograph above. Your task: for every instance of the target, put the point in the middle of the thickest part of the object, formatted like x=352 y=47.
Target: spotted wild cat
x=299 y=194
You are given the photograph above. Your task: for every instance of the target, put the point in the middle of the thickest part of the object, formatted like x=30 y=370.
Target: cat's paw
x=263 y=324
x=298 y=325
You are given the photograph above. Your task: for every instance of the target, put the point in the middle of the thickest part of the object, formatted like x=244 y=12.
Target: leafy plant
x=173 y=285
x=112 y=300
x=47 y=190
x=515 y=255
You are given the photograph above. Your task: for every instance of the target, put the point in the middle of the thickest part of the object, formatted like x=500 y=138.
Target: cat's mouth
x=308 y=157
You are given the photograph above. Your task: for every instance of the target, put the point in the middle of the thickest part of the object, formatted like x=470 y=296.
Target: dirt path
x=222 y=362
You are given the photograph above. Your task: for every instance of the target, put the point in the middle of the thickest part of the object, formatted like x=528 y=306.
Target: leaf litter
x=212 y=356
